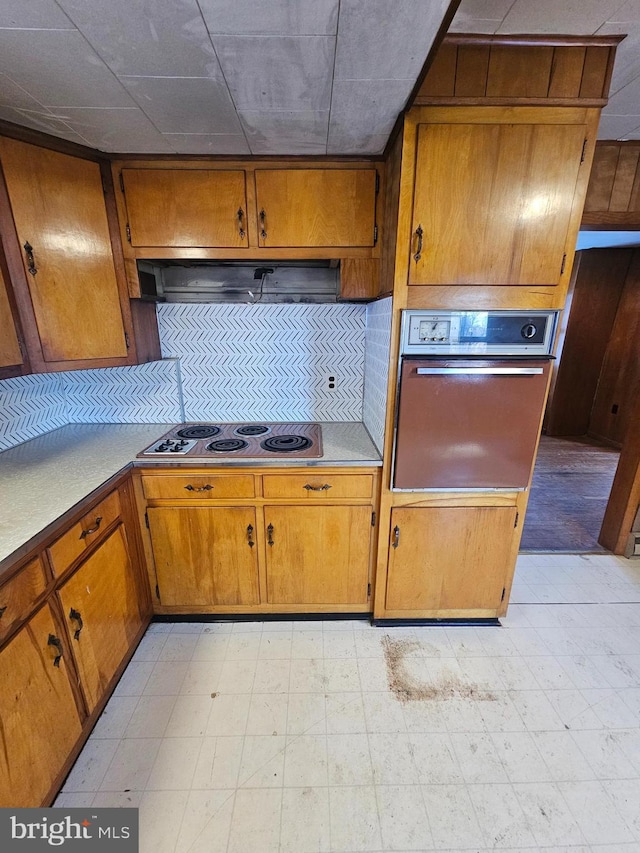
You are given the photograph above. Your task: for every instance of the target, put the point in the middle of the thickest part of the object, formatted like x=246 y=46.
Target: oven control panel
x=523 y=333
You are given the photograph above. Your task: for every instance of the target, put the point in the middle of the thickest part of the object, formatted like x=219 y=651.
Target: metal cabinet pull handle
x=396 y=537
x=91 y=530
x=31 y=261
x=311 y=488
x=240 y=216
x=54 y=641
x=263 y=217
x=270 y=534
x=479 y=371
x=75 y=615
x=191 y=488
x=419 y=234
x=250 y=541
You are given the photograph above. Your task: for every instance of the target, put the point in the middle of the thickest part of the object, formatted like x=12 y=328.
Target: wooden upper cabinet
x=10 y=352
x=186 y=207
x=316 y=207
x=60 y=217
x=493 y=202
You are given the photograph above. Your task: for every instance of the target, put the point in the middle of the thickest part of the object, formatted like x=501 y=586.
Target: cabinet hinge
x=504 y=590
x=157 y=592
x=378 y=182
x=368 y=590
x=146 y=520
x=126 y=340
x=564 y=261
x=584 y=150
x=515 y=523
x=128 y=229
x=373 y=519
x=121 y=181
x=375 y=234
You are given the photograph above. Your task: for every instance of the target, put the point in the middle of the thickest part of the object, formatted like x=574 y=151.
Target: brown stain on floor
x=407 y=688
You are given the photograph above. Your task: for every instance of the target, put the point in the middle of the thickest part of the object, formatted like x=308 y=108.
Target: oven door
x=468 y=423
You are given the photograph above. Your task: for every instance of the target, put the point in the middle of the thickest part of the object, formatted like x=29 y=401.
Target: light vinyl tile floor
x=253 y=737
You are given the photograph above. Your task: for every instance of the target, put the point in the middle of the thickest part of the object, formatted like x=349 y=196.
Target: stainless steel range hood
x=240 y=281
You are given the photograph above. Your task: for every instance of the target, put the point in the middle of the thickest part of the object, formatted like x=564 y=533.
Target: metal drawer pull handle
x=263 y=217
x=240 y=215
x=479 y=371
x=250 y=541
x=311 y=488
x=270 y=534
x=91 y=530
x=396 y=537
x=54 y=641
x=191 y=488
x=419 y=234
x=31 y=261
x=75 y=615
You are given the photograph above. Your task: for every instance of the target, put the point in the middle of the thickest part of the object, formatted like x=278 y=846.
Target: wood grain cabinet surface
x=493 y=202
x=19 y=594
x=40 y=719
x=12 y=360
x=58 y=208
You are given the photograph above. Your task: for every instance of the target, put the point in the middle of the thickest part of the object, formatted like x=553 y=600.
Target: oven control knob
x=528 y=331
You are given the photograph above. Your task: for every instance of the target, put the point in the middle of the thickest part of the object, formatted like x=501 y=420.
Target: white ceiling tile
x=376 y=45
x=569 y=17
x=44 y=14
x=627 y=62
x=365 y=145
x=121 y=130
x=625 y=101
x=277 y=17
x=362 y=108
x=41 y=121
x=474 y=25
x=58 y=68
x=297 y=132
x=629 y=11
x=277 y=73
x=207 y=143
x=12 y=95
x=173 y=42
x=496 y=9
x=618 y=127
x=184 y=104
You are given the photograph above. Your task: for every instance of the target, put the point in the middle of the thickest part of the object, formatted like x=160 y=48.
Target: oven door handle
x=479 y=371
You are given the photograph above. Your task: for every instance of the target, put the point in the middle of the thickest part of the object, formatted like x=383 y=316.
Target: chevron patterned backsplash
x=376 y=369
x=267 y=362
x=30 y=406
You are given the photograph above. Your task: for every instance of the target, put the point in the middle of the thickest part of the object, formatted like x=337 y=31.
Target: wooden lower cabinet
x=205 y=555
x=102 y=613
x=318 y=554
x=40 y=719
x=449 y=561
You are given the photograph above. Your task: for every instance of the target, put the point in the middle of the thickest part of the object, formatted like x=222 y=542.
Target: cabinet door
x=40 y=721
x=59 y=212
x=316 y=207
x=100 y=604
x=10 y=352
x=186 y=207
x=493 y=202
x=318 y=555
x=205 y=555
x=449 y=558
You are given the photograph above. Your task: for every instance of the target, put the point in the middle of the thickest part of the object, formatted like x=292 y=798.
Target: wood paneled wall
x=613 y=194
x=496 y=69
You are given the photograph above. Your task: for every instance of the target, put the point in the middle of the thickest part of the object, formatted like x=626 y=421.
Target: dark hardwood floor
x=569 y=493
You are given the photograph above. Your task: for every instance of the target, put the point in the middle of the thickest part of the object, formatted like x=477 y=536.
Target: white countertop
x=44 y=478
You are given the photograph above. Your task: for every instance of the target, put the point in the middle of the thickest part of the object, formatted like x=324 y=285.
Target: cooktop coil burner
x=227 y=445
x=252 y=429
x=198 y=431
x=286 y=443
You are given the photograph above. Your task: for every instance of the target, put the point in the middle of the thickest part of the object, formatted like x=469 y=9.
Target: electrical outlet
x=331 y=381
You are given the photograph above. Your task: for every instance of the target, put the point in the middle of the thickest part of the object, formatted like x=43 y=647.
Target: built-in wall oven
x=472 y=388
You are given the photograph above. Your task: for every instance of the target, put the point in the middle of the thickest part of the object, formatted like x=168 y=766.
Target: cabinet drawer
x=18 y=595
x=88 y=530
x=199 y=486
x=318 y=486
